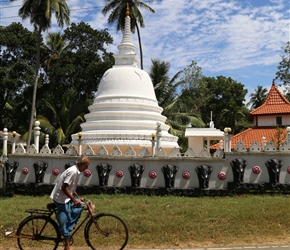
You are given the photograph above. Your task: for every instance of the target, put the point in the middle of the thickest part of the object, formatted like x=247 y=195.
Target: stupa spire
x=127 y=50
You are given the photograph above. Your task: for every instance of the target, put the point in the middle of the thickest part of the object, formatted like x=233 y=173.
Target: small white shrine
x=200 y=138
x=125 y=111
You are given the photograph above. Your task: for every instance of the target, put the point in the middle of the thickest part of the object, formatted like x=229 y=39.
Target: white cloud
x=223 y=36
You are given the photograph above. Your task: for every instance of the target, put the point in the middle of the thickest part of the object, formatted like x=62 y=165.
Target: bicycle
x=102 y=230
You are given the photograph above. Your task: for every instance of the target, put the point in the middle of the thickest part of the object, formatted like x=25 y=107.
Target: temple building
x=125 y=111
x=273 y=114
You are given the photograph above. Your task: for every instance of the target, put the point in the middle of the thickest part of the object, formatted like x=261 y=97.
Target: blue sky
x=241 y=39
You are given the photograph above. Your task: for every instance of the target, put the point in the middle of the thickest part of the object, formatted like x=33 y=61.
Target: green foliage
x=258 y=98
x=279 y=137
x=40 y=14
x=283 y=73
x=65 y=119
x=17 y=68
x=78 y=60
x=180 y=109
x=118 y=8
x=225 y=102
x=118 y=12
x=55 y=44
x=80 y=65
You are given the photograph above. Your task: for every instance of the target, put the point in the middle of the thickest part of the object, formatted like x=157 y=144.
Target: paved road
x=266 y=247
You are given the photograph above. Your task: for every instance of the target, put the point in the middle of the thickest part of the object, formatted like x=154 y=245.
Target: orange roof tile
x=253 y=134
x=275 y=103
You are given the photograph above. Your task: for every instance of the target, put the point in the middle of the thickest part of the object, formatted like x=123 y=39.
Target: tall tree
x=80 y=65
x=40 y=12
x=283 y=73
x=179 y=109
x=117 y=9
x=16 y=72
x=64 y=120
x=165 y=88
x=226 y=102
x=257 y=98
x=194 y=85
x=55 y=44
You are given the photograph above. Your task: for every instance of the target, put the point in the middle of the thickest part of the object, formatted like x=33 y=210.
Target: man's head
x=83 y=163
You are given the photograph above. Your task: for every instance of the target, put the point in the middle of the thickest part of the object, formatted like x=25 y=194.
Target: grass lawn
x=182 y=222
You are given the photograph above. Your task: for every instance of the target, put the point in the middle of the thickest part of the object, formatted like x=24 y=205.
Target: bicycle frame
x=79 y=226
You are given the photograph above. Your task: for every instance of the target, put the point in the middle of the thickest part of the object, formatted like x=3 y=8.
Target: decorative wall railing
x=260 y=168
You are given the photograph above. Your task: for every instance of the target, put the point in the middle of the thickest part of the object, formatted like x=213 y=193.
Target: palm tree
x=180 y=109
x=231 y=116
x=55 y=44
x=118 y=13
x=66 y=119
x=257 y=98
x=40 y=12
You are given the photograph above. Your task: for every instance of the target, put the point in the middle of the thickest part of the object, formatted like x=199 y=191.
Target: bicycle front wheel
x=106 y=231
x=38 y=232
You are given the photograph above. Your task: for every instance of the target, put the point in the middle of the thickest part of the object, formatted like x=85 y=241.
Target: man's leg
x=67 y=244
x=74 y=215
x=62 y=217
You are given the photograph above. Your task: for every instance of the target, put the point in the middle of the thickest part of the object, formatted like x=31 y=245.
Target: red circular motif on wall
x=288 y=170
x=87 y=173
x=119 y=173
x=186 y=175
x=55 y=171
x=25 y=170
x=152 y=174
x=222 y=176
x=256 y=170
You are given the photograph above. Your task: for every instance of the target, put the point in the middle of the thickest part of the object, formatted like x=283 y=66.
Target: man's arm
x=76 y=194
x=65 y=189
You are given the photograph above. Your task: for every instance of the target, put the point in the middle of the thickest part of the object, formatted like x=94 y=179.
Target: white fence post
x=153 y=141
x=158 y=135
x=227 y=146
x=13 y=142
x=80 y=143
x=36 y=135
x=5 y=140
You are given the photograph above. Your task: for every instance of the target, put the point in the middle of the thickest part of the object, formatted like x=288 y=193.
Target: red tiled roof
x=275 y=103
x=253 y=134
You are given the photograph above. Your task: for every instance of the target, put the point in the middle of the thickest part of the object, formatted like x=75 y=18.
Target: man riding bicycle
x=68 y=203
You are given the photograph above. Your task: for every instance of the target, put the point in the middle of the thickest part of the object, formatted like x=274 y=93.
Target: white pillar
x=5 y=140
x=13 y=142
x=263 y=143
x=47 y=140
x=227 y=139
x=208 y=144
x=36 y=135
x=80 y=143
x=158 y=135
x=153 y=141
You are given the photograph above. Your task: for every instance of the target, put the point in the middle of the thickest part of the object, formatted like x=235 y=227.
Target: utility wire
x=78 y=9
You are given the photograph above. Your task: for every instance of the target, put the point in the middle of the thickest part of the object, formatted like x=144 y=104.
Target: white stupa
x=125 y=111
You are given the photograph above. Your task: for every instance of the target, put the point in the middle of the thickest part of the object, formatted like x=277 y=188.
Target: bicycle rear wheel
x=38 y=232
x=106 y=231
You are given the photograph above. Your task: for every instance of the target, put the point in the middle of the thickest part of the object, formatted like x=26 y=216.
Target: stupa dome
x=125 y=111
x=126 y=82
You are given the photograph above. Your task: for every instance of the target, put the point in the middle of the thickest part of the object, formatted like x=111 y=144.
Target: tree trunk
x=140 y=45
x=34 y=89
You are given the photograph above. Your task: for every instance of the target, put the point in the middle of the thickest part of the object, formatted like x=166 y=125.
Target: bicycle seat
x=51 y=206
